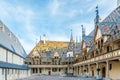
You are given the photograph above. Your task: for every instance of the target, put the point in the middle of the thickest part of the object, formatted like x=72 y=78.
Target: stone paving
x=43 y=77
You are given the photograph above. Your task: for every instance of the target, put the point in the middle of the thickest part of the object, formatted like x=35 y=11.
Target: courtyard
x=44 y=77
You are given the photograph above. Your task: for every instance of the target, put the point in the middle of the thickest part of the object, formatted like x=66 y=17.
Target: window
x=102 y=43
x=110 y=66
x=107 y=48
x=98 y=45
x=2 y=71
x=8 y=71
x=1 y=28
x=12 y=71
x=39 y=70
x=59 y=69
x=16 y=71
x=54 y=69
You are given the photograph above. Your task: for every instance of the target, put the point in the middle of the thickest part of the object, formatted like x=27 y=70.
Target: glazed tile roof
x=114 y=16
x=105 y=28
x=46 y=59
x=9 y=41
x=88 y=40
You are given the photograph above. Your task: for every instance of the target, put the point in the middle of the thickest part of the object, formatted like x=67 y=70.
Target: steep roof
x=88 y=40
x=9 y=41
x=48 y=46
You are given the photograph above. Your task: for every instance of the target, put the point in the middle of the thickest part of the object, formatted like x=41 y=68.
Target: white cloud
x=54 y=6
x=74 y=13
x=57 y=8
x=24 y=16
x=28 y=46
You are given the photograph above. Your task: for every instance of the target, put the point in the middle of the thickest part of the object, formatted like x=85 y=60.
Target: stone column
x=97 y=66
x=107 y=70
x=38 y=70
x=88 y=69
x=44 y=70
x=80 y=70
x=73 y=70
x=83 y=71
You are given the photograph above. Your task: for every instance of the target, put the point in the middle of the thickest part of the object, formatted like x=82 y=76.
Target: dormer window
x=101 y=42
x=10 y=34
x=1 y=28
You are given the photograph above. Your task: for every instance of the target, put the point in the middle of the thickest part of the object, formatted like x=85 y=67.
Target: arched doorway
x=103 y=72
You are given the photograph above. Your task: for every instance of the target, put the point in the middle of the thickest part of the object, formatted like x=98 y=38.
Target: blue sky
x=30 y=19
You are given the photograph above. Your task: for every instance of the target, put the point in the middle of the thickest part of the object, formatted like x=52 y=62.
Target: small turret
x=44 y=38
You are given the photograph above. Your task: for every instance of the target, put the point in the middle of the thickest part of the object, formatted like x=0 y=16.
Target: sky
x=30 y=19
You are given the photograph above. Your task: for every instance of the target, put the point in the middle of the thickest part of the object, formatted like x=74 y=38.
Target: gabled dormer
x=86 y=44
x=97 y=34
x=83 y=46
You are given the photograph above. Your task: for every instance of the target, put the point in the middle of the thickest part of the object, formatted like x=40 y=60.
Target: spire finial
x=71 y=31
x=83 y=32
x=97 y=11
x=97 y=15
x=76 y=39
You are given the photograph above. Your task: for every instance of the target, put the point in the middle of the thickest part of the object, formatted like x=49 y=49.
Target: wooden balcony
x=105 y=56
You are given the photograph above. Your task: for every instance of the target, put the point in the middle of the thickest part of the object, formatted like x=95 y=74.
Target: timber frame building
x=12 y=56
x=98 y=50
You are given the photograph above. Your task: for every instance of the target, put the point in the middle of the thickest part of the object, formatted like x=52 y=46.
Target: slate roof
x=9 y=41
x=13 y=66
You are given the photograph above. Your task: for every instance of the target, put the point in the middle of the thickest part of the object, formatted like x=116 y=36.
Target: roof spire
x=71 y=43
x=97 y=15
x=71 y=38
x=79 y=39
x=76 y=41
x=83 y=32
x=40 y=38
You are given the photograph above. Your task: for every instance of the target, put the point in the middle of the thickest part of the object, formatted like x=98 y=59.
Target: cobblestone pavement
x=55 y=78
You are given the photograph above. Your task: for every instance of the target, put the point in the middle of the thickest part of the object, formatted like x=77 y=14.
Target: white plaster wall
x=9 y=57
x=0 y=73
x=2 y=54
x=84 y=45
x=105 y=38
x=114 y=73
x=21 y=61
x=88 y=49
